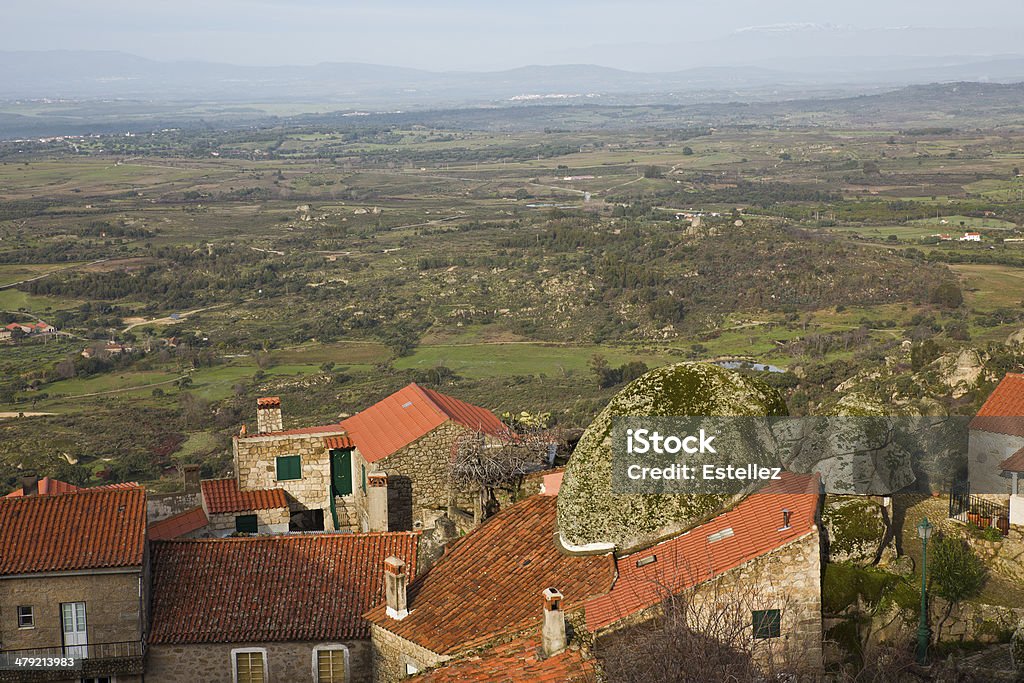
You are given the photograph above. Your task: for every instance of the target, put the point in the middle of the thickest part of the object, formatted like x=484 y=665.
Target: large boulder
x=591 y=518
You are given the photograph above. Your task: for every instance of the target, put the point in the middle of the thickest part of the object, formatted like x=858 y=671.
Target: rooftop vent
x=407 y=404
x=644 y=561
x=785 y=519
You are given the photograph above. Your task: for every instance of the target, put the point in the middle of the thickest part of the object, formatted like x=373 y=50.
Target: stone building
x=268 y=608
x=487 y=603
x=230 y=510
x=410 y=435
x=996 y=448
x=403 y=444
x=73 y=568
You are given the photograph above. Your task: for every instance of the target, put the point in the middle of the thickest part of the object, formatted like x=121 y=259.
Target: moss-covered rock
x=856 y=529
x=590 y=514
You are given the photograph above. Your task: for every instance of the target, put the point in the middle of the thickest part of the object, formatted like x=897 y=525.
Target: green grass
x=953 y=223
x=16 y=300
x=987 y=288
x=498 y=360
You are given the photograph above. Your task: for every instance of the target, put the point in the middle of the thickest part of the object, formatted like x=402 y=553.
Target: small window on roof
x=407 y=404
x=721 y=535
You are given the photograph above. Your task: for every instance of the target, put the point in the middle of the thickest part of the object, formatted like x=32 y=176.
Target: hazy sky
x=478 y=35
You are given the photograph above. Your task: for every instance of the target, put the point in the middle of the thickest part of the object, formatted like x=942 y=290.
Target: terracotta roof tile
x=490 y=581
x=1003 y=411
x=409 y=414
x=339 y=442
x=223 y=495
x=56 y=487
x=88 y=529
x=271 y=588
x=178 y=525
x=269 y=402
x=518 y=661
x=693 y=557
x=1015 y=463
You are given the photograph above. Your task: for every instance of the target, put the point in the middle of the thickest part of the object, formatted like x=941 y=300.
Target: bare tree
x=484 y=462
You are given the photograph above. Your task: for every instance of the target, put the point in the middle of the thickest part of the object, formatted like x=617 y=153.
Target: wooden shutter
x=289 y=467
x=330 y=666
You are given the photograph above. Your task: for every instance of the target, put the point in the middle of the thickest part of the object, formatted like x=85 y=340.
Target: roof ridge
x=290 y=537
x=427 y=394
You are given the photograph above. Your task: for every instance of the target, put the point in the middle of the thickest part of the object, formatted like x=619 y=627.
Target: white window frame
x=241 y=650
x=31 y=616
x=331 y=646
x=111 y=678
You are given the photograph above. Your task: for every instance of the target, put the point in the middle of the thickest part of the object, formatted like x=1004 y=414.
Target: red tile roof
x=518 y=661
x=490 y=582
x=1003 y=411
x=269 y=402
x=339 y=442
x=271 y=588
x=178 y=525
x=223 y=495
x=56 y=487
x=409 y=414
x=1015 y=463
x=89 y=529
x=693 y=557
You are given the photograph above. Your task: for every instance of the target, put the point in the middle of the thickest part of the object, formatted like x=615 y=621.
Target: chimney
x=30 y=486
x=268 y=415
x=394 y=588
x=190 y=474
x=377 y=501
x=553 y=632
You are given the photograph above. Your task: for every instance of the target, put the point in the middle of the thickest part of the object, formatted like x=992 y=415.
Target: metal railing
x=982 y=513
x=120 y=650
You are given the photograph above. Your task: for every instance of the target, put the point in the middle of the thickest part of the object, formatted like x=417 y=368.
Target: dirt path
x=59 y=270
x=168 y=320
x=22 y=413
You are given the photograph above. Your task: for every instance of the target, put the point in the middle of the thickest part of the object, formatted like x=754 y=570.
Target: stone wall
x=286 y=662
x=418 y=480
x=984 y=453
x=274 y=521
x=112 y=608
x=163 y=505
x=256 y=468
x=392 y=654
x=788 y=579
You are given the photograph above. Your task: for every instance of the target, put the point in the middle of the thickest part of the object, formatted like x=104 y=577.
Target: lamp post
x=924 y=530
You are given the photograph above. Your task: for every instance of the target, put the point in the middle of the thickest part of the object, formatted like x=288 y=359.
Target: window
x=364 y=479
x=330 y=664
x=249 y=666
x=99 y=679
x=411 y=669
x=26 y=619
x=767 y=623
x=289 y=467
x=247 y=524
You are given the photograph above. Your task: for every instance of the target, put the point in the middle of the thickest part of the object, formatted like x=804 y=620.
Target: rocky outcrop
x=591 y=516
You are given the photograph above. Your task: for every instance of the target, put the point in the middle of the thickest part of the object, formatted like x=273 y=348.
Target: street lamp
x=924 y=530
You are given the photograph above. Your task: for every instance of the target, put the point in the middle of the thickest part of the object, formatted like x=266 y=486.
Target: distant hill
x=109 y=75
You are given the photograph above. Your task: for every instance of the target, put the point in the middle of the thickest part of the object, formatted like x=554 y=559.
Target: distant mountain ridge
x=111 y=74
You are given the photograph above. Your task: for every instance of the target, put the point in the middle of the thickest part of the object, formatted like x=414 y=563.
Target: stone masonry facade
x=419 y=484
x=789 y=580
x=273 y=521
x=394 y=656
x=288 y=661
x=256 y=468
x=113 y=610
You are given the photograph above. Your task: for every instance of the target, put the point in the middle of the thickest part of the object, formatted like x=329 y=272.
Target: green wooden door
x=341 y=472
